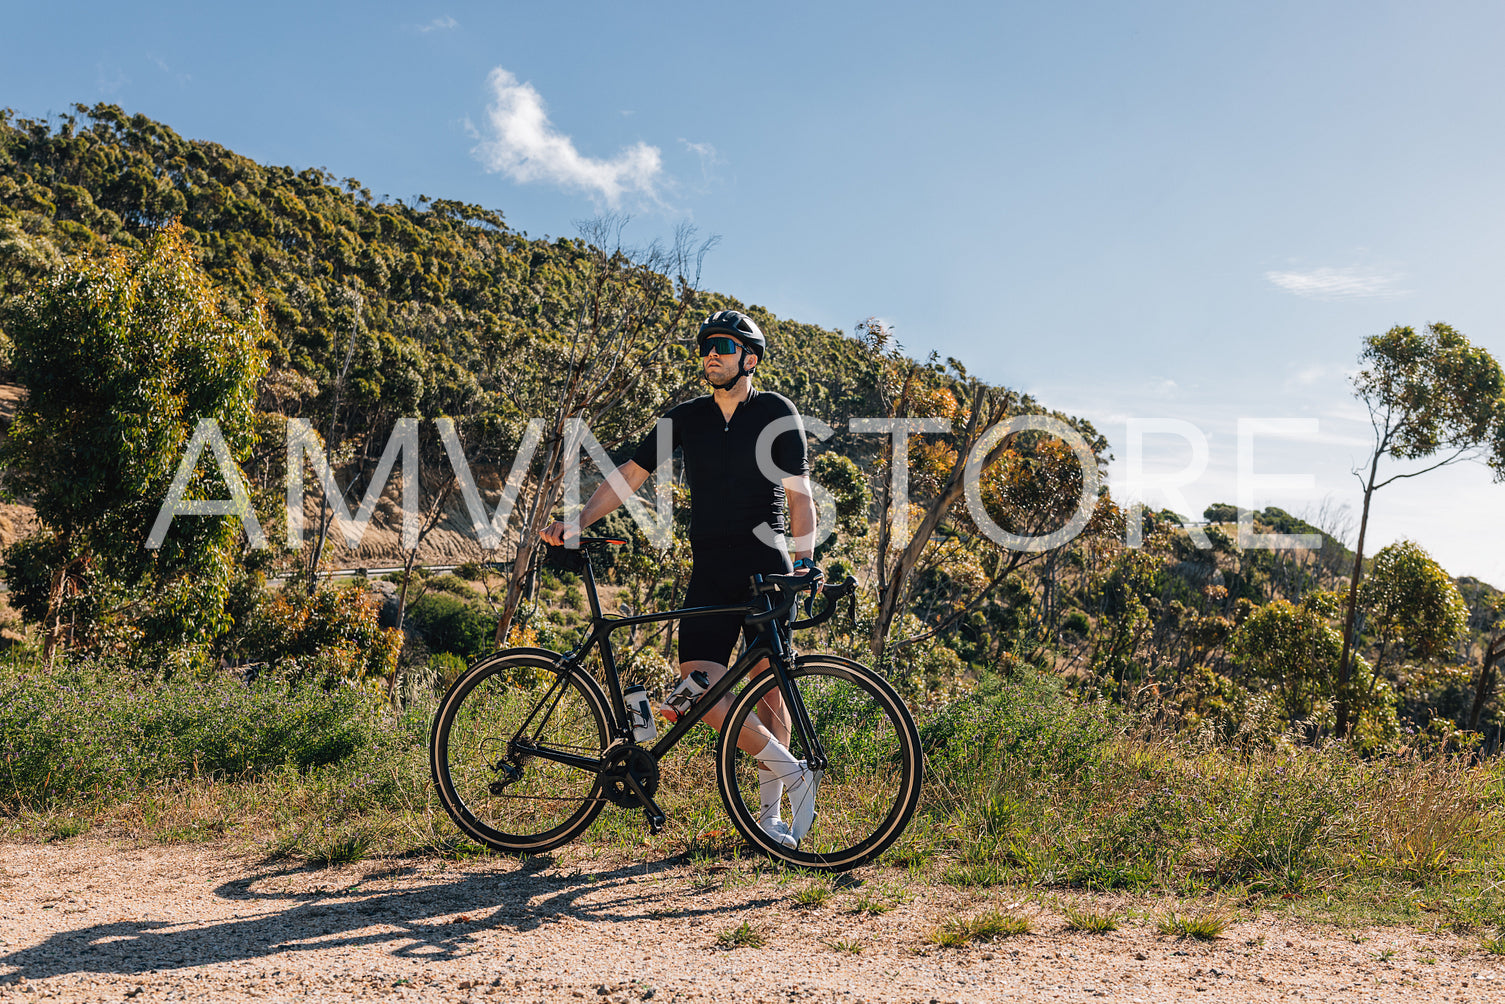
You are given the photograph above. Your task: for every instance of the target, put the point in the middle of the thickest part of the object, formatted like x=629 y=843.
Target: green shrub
x=449 y=582
x=329 y=635
x=450 y=624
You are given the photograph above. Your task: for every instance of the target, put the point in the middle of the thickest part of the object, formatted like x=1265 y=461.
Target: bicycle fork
x=815 y=753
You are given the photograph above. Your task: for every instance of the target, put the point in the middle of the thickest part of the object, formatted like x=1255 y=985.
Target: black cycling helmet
x=739 y=326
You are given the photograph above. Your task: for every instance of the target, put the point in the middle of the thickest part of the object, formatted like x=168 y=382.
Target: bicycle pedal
x=655 y=823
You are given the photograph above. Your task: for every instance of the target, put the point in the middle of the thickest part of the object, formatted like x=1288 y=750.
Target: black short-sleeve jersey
x=729 y=495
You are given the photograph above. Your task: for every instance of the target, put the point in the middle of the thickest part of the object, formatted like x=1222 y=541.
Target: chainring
x=626 y=760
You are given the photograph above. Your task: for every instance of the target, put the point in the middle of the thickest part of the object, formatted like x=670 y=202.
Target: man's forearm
x=802 y=523
x=606 y=498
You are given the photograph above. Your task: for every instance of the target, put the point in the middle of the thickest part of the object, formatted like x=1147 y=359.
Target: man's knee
x=714 y=670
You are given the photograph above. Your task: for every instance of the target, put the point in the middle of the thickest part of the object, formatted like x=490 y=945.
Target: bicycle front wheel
x=872 y=783
x=494 y=745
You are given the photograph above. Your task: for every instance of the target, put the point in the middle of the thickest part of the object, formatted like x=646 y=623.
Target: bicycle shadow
x=437 y=919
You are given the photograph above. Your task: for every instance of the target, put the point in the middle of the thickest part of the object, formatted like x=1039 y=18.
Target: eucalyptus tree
x=970 y=501
x=123 y=355
x=1431 y=396
x=1291 y=650
x=1414 y=613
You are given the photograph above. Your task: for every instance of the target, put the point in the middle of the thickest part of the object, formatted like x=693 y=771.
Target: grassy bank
x=1025 y=787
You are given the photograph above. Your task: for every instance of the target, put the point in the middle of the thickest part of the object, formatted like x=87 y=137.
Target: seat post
x=590 y=584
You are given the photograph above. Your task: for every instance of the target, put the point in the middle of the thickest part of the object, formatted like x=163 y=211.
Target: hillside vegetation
x=1160 y=667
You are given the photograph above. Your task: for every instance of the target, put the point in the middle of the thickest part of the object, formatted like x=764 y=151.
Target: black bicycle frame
x=769 y=644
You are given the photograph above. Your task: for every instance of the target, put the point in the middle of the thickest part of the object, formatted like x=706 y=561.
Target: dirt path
x=92 y=920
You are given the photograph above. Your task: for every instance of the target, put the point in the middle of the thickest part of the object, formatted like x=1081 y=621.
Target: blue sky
x=1161 y=210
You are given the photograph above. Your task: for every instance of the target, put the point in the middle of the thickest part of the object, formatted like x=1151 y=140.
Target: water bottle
x=639 y=714
x=687 y=693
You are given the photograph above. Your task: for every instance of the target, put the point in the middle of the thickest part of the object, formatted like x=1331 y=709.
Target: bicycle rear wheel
x=489 y=747
x=872 y=784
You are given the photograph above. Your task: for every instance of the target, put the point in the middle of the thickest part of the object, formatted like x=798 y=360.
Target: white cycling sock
x=776 y=759
x=770 y=794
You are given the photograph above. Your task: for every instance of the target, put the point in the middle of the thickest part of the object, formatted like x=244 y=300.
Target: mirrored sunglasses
x=722 y=346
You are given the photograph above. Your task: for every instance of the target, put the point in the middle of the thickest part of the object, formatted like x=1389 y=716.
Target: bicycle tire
x=547 y=804
x=872 y=785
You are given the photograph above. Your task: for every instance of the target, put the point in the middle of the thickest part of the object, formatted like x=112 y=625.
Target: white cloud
x=520 y=142
x=1350 y=283
x=444 y=23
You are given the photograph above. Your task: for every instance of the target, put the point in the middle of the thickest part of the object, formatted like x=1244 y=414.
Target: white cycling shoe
x=780 y=832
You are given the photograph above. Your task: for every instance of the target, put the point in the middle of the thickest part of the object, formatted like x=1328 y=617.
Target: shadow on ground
x=439 y=919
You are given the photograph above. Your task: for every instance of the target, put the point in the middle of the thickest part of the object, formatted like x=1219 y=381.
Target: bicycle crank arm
x=656 y=817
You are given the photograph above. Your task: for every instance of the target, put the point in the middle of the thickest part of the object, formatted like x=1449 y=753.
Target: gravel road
x=99 y=920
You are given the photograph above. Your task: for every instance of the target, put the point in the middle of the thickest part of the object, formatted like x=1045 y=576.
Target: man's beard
x=735 y=377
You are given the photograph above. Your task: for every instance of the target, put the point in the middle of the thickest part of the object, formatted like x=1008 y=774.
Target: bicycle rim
x=872 y=784
x=505 y=799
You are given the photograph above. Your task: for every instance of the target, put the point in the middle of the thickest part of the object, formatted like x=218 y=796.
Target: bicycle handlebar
x=833 y=595
x=780 y=609
x=790 y=586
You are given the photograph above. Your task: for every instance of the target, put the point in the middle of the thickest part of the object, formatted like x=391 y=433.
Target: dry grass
x=814 y=895
x=1090 y=921
x=744 y=935
x=1423 y=813
x=1203 y=925
x=988 y=926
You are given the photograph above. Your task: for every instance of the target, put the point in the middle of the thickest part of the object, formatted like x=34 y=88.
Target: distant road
x=336 y=573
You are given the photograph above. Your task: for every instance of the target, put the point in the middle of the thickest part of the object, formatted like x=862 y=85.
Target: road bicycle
x=526 y=748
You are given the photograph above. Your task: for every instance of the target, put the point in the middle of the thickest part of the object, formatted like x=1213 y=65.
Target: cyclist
x=729 y=498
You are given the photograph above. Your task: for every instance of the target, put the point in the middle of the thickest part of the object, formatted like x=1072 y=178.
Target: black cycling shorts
x=719 y=575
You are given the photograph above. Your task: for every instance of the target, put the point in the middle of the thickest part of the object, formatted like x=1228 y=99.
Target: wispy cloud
x=1350 y=283
x=109 y=79
x=521 y=142
x=161 y=64
x=709 y=161
x=444 y=23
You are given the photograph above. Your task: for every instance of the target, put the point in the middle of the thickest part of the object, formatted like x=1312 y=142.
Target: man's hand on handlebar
x=805 y=568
